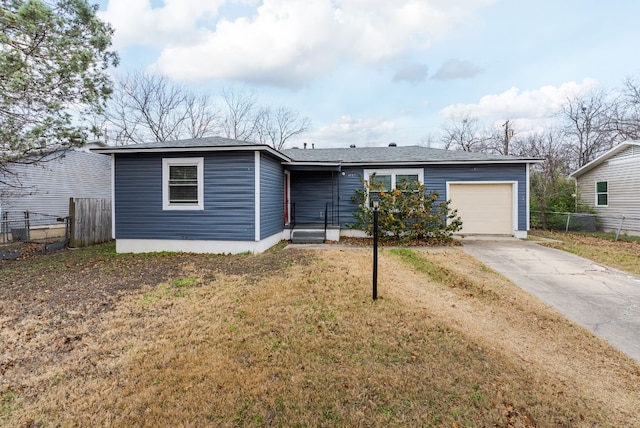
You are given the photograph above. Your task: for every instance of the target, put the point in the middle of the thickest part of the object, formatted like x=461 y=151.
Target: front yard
x=601 y=248
x=292 y=338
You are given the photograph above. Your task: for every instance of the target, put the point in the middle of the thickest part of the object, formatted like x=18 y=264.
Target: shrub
x=406 y=213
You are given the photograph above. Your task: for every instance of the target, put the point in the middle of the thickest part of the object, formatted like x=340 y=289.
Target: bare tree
x=549 y=178
x=242 y=114
x=246 y=120
x=464 y=133
x=276 y=126
x=148 y=107
x=587 y=126
x=626 y=114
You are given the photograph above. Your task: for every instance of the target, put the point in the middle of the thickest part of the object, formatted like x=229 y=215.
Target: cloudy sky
x=371 y=72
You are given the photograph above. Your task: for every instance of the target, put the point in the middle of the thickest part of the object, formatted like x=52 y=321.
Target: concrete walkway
x=604 y=300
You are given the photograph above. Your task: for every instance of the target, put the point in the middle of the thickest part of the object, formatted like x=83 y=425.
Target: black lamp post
x=375 y=203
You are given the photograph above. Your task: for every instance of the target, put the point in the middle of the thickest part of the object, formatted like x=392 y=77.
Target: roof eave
x=444 y=162
x=600 y=159
x=133 y=149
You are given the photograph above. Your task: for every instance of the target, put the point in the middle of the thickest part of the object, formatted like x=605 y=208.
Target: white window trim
x=393 y=172
x=596 y=193
x=195 y=161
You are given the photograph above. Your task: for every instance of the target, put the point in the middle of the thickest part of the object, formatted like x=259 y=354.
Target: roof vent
x=393 y=145
x=353 y=146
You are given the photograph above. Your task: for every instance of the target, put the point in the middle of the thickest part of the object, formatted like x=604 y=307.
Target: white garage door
x=484 y=208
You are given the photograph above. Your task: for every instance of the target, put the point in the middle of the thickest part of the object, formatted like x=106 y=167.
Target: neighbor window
x=183 y=187
x=602 y=193
x=390 y=179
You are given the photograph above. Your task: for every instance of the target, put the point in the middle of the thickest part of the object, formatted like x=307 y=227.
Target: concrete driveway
x=604 y=300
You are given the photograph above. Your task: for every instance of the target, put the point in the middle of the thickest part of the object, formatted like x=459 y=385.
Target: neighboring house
x=611 y=185
x=44 y=189
x=227 y=196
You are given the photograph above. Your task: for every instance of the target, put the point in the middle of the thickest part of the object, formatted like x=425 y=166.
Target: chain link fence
x=47 y=232
x=585 y=222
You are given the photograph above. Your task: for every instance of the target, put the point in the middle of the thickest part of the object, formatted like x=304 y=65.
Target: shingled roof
x=395 y=155
x=205 y=144
x=335 y=156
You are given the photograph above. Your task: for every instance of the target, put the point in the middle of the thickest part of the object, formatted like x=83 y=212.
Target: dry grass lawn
x=623 y=254
x=449 y=343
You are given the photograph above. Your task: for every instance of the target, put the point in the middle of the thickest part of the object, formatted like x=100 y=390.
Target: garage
x=485 y=208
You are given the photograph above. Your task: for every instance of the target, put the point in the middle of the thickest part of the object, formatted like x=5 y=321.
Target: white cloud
x=347 y=130
x=525 y=106
x=282 y=42
x=136 y=22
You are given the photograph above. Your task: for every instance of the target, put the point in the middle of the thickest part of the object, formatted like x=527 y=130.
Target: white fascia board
x=311 y=163
x=268 y=149
x=462 y=162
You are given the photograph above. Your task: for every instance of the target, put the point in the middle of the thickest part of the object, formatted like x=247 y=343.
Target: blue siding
x=311 y=191
x=271 y=196
x=350 y=180
x=228 y=199
x=436 y=177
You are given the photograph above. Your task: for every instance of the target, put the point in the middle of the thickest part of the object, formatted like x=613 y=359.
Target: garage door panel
x=484 y=208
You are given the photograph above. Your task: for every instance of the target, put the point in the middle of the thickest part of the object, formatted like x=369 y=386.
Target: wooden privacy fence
x=89 y=221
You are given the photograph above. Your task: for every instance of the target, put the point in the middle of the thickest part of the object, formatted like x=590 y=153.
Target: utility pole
x=508 y=133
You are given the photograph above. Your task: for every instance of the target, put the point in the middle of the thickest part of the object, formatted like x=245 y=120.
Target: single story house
x=226 y=196
x=610 y=184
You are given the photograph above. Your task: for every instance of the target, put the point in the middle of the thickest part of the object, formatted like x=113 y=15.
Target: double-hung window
x=183 y=183
x=391 y=179
x=602 y=193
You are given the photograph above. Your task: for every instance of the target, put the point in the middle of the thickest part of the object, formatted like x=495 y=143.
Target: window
x=408 y=178
x=602 y=193
x=393 y=178
x=182 y=184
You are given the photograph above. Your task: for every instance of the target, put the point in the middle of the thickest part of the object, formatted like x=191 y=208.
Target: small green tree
x=406 y=213
x=53 y=62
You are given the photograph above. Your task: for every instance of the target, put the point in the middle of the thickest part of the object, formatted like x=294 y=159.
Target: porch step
x=307 y=236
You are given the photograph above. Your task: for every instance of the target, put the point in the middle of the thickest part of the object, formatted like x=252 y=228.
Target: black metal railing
x=326 y=209
x=292 y=212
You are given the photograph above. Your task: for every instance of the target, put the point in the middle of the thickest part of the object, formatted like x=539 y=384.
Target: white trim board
x=256 y=204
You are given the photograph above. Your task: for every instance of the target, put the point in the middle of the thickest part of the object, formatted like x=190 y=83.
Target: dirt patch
x=46 y=299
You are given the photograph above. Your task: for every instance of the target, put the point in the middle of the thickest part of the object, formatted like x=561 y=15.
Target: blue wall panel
x=311 y=191
x=271 y=196
x=350 y=180
x=436 y=177
x=228 y=199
